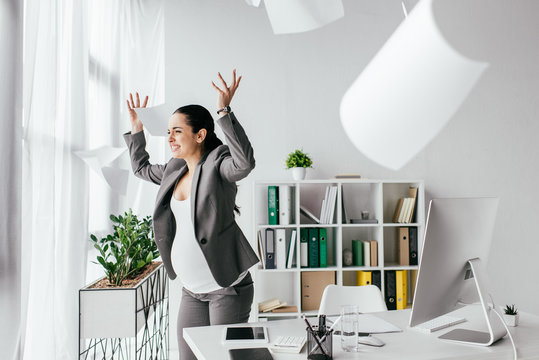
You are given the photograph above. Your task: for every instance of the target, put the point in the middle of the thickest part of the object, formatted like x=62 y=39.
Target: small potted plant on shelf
x=511 y=315
x=298 y=161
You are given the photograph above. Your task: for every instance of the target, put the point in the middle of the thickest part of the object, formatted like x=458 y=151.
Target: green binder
x=357 y=252
x=314 y=250
x=273 y=205
x=322 y=235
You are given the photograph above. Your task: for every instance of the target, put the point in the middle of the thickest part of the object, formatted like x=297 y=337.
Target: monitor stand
x=496 y=330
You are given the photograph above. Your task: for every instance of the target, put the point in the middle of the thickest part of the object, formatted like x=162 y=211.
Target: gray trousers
x=225 y=306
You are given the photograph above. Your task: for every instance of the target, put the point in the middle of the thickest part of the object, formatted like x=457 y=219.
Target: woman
x=194 y=224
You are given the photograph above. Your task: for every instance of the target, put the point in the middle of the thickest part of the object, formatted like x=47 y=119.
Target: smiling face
x=183 y=142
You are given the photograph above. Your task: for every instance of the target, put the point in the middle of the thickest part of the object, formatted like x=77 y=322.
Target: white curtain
x=10 y=180
x=55 y=186
x=81 y=58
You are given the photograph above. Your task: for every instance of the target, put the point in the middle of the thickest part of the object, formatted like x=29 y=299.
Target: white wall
x=293 y=84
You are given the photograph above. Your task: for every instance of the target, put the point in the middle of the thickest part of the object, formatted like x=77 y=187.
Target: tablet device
x=245 y=334
x=250 y=354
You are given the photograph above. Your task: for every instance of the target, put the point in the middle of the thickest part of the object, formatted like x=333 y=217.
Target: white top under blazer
x=187 y=258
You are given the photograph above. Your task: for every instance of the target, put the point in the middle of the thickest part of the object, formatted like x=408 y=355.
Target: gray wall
x=293 y=84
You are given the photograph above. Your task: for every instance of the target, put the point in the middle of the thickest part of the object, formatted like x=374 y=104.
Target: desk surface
x=408 y=344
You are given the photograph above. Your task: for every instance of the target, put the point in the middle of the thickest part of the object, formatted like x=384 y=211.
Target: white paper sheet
x=116 y=178
x=97 y=158
x=155 y=118
x=255 y=3
x=408 y=92
x=294 y=16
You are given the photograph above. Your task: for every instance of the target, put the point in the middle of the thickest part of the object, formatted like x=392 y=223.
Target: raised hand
x=136 y=124
x=227 y=92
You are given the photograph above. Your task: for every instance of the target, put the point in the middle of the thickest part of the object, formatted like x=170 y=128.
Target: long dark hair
x=198 y=117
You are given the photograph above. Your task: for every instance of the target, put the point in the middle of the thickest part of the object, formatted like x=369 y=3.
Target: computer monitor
x=452 y=267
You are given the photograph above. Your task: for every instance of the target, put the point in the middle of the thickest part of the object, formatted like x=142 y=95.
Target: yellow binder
x=402 y=289
x=364 y=278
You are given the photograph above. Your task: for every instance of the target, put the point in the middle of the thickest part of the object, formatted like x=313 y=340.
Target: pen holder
x=325 y=350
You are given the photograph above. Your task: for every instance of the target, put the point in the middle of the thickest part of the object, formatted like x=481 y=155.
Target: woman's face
x=183 y=142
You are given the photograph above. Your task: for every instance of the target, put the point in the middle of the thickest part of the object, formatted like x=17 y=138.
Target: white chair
x=368 y=298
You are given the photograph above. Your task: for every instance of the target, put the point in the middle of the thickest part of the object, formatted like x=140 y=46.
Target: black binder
x=390 y=293
x=376 y=279
x=270 y=249
x=412 y=237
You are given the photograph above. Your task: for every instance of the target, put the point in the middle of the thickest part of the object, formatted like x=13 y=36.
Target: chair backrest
x=367 y=297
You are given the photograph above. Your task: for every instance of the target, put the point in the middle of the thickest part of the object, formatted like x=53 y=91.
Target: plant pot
x=121 y=312
x=511 y=320
x=298 y=173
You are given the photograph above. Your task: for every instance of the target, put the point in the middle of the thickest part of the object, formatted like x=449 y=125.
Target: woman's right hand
x=136 y=124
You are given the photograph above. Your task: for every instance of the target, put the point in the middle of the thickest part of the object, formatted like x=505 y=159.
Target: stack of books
x=275 y=305
x=404 y=213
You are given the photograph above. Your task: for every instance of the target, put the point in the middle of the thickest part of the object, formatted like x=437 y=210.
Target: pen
x=325 y=336
x=314 y=336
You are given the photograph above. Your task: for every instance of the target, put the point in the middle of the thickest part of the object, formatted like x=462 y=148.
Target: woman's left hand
x=227 y=93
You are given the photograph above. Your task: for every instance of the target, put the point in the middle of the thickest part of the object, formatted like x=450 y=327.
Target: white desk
x=409 y=344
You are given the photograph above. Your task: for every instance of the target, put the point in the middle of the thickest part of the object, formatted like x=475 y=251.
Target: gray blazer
x=213 y=195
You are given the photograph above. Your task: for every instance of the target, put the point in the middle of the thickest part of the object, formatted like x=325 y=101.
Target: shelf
x=282 y=314
x=355 y=198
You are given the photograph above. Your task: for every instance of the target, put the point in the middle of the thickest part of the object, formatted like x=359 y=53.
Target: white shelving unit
x=379 y=197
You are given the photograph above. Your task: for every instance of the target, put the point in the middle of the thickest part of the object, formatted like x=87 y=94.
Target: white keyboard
x=289 y=344
x=438 y=323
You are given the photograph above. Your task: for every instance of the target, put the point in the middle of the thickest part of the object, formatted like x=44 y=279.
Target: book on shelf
x=327 y=210
x=314 y=248
x=405 y=210
x=390 y=290
x=374 y=252
x=313 y=284
x=304 y=211
x=401 y=286
x=280 y=249
x=322 y=236
x=357 y=252
x=363 y=278
x=403 y=245
x=261 y=251
x=285 y=309
x=412 y=193
x=398 y=210
x=376 y=279
x=291 y=249
x=363 y=221
x=269 y=305
x=304 y=247
x=412 y=236
x=270 y=249
x=286 y=201
x=273 y=205
x=347 y=176
x=366 y=253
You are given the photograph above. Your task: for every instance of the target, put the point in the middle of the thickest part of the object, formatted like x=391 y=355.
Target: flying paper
x=155 y=118
x=294 y=16
x=408 y=92
x=100 y=157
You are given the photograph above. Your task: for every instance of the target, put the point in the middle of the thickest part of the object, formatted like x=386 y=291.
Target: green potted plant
x=298 y=161
x=128 y=250
x=511 y=315
x=134 y=292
